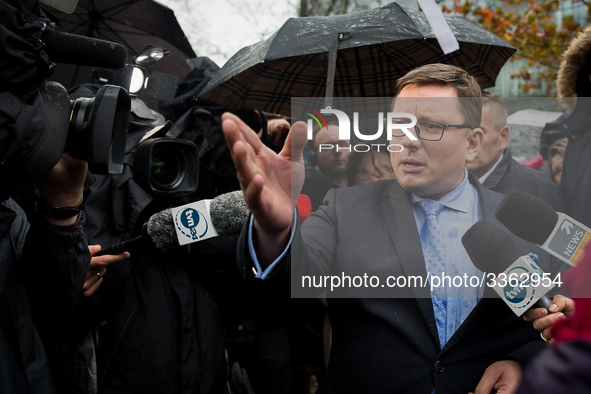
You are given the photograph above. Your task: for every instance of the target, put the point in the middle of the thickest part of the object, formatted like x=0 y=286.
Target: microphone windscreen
x=229 y=212
x=489 y=247
x=161 y=230
x=527 y=216
x=85 y=51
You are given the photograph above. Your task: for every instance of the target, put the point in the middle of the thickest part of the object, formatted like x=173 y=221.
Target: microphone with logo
x=518 y=280
x=183 y=225
x=532 y=219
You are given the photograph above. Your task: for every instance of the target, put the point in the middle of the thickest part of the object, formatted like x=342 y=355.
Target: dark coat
x=390 y=345
x=40 y=280
x=509 y=175
x=162 y=333
x=560 y=370
x=575 y=182
x=316 y=185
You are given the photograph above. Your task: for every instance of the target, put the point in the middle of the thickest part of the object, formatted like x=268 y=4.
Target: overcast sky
x=219 y=28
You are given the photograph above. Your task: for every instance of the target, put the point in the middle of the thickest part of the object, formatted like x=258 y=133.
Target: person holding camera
x=44 y=255
x=43 y=267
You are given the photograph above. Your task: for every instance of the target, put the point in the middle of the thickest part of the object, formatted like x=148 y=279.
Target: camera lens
x=166 y=168
x=98 y=129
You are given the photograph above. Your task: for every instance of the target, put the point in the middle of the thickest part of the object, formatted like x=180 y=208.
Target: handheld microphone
x=85 y=51
x=519 y=281
x=197 y=221
x=532 y=219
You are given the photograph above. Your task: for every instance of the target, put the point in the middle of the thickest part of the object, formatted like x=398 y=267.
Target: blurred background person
x=573 y=88
x=494 y=165
x=556 y=157
x=368 y=167
x=274 y=130
x=327 y=164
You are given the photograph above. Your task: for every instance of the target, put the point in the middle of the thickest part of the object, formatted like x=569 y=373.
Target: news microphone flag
x=532 y=219
x=567 y=240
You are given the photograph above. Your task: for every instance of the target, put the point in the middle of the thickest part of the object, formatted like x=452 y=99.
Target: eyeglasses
x=427 y=130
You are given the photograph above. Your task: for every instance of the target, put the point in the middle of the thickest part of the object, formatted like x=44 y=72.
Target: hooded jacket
x=573 y=81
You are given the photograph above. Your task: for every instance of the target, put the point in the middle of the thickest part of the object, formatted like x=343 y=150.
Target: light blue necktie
x=434 y=252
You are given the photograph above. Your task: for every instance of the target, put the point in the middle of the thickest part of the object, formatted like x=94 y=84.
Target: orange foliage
x=531 y=27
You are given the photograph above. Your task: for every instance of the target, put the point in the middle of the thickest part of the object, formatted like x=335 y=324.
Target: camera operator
x=150 y=298
x=44 y=273
x=44 y=258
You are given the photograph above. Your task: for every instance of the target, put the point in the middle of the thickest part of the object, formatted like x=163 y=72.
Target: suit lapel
x=400 y=221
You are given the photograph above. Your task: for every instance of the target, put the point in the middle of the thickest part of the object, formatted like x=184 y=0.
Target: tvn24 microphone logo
x=522 y=284
x=192 y=222
x=399 y=121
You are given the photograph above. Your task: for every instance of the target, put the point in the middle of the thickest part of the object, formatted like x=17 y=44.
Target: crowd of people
x=231 y=314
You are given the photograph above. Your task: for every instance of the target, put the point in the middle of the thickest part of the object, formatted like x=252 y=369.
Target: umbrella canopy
x=370 y=51
x=132 y=23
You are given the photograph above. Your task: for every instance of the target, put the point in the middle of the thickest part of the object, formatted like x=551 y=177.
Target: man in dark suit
x=495 y=167
x=408 y=339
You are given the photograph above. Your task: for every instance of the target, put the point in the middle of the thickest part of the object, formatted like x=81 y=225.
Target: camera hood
x=98 y=129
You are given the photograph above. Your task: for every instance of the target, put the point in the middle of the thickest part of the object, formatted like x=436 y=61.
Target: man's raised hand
x=271 y=182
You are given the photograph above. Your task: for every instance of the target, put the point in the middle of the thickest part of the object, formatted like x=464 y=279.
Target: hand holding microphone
x=98 y=268
x=543 y=319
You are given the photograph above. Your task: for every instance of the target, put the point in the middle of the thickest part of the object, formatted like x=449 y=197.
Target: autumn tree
x=532 y=27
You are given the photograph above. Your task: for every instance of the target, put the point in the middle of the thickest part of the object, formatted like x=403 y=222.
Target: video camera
x=38 y=122
x=90 y=129
x=163 y=164
x=167 y=166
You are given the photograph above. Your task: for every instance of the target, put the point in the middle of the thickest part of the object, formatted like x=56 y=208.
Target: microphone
x=197 y=221
x=85 y=51
x=532 y=219
x=519 y=281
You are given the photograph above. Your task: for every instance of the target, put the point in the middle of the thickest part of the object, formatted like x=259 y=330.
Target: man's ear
x=504 y=133
x=474 y=142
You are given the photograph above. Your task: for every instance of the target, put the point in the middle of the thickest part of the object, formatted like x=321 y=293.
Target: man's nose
x=407 y=142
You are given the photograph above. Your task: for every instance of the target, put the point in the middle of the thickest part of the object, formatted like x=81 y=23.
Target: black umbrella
x=132 y=23
x=362 y=53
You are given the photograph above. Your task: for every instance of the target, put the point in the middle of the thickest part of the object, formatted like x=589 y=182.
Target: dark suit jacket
x=509 y=175
x=390 y=345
